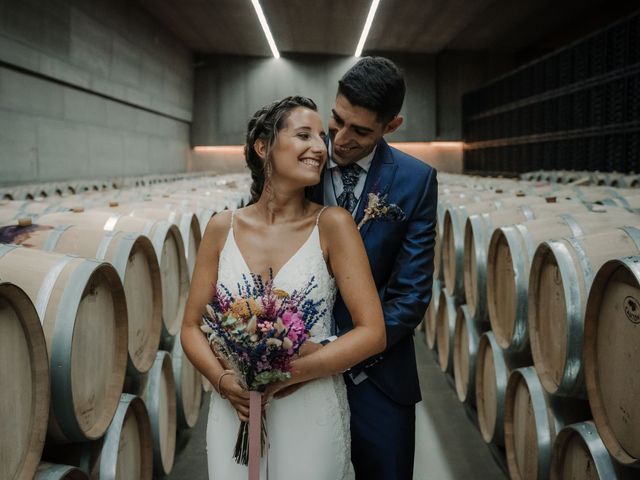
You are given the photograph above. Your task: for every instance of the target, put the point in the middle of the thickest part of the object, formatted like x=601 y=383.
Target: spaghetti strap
x=233 y=214
x=320 y=213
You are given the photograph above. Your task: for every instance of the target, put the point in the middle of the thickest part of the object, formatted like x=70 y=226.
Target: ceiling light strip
x=367 y=27
x=265 y=28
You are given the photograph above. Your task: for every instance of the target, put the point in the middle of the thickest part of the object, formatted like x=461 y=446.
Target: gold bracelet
x=226 y=372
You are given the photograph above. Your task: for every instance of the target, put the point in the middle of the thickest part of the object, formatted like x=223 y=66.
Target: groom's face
x=354 y=131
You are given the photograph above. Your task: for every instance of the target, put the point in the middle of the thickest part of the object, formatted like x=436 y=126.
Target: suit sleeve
x=408 y=292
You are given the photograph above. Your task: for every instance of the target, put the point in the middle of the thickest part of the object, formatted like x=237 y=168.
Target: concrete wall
x=90 y=88
x=228 y=90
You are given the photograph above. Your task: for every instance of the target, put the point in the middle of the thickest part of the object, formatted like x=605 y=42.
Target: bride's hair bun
x=265 y=125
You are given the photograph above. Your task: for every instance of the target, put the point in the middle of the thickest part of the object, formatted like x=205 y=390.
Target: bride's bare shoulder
x=336 y=220
x=217 y=228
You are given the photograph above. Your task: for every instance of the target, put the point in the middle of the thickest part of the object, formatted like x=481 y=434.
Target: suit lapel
x=379 y=179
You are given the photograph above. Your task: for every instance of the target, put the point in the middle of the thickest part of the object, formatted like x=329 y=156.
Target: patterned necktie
x=350 y=176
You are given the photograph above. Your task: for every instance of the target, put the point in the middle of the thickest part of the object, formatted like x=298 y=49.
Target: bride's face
x=299 y=152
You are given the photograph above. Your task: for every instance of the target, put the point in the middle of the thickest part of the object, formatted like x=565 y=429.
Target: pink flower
x=290 y=317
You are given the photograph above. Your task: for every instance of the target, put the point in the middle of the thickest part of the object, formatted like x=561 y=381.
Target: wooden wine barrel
x=160 y=399
x=444 y=202
x=188 y=387
x=167 y=243
x=445 y=329
x=50 y=471
x=532 y=420
x=10 y=210
x=453 y=236
x=611 y=355
x=579 y=454
x=561 y=276
x=24 y=376
x=185 y=220
x=478 y=230
x=124 y=452
x=511 y=250
x=202 y=209
x=432 y=314
x=465 y=348
x=493 y=367
x=126 y=449
x=134 y=258
x=83 y=310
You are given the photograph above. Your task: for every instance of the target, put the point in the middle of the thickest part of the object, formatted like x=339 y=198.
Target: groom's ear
x=261 y=148
x=394 y=124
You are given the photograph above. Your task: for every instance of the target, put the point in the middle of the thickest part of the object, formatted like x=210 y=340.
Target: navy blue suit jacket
x=401 y=258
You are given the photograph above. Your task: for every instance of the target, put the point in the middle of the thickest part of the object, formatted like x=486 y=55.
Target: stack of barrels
x=573 y=177
x=92 y=293
x=535 y=313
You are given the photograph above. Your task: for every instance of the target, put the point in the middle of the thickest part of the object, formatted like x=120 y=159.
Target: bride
x=296 y=239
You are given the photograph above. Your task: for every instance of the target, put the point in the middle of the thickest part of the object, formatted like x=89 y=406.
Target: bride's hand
x=237 y=396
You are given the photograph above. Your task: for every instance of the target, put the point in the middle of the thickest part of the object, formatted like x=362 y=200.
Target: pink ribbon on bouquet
x=255 y=434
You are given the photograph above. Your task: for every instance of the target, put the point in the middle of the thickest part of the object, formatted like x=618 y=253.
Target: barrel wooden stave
x=25 y=380
x=432 y=315
x=511 y=250
x=167 y=243
x=579 y=454
x=493 y=367
x=160 y=398
x=82 y=305
x=188 y=387
x=137 y=264
x=466 y=338
x=532 y=419
x=453 y=236
x=478 y=231
x=611 y=339
x=561 y=276
x=445 y=329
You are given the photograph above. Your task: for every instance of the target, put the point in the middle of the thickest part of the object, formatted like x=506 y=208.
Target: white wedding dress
x=308 y=431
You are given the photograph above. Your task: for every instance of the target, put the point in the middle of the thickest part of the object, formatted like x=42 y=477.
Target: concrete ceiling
x=415 y=26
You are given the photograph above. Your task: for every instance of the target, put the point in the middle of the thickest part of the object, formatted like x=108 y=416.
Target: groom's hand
x=308 y=348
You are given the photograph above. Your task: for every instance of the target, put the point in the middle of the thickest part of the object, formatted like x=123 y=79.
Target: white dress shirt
x=333 y=186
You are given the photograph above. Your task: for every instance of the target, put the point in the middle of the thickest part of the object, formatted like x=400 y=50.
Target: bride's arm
x=348 y=261
x=194 y=343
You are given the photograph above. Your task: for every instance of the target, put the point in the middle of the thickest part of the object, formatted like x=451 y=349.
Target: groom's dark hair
x=376 y=84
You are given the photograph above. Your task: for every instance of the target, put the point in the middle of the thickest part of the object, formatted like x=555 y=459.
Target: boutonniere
x=378 y=208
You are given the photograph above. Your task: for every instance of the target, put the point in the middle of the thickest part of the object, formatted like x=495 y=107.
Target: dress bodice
x=305 y=264
x=321 y=450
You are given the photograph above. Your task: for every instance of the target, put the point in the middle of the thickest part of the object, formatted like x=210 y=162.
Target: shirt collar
x=364 y=163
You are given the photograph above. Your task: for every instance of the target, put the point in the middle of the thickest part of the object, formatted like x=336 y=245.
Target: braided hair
x=265 y=125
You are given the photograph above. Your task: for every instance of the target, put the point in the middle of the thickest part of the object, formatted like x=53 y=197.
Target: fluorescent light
x=265 y=28
x=367 y=27
x=220 y=148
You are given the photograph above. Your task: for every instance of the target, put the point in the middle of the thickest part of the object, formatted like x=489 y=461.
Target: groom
x=383 y=391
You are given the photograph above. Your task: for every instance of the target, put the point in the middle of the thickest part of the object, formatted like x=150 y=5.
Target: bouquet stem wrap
x=255 y=434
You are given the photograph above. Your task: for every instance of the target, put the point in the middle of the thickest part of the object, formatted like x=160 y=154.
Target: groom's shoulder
x=410 y=166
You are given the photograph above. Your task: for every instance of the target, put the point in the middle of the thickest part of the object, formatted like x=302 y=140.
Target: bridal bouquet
x=258 y=330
